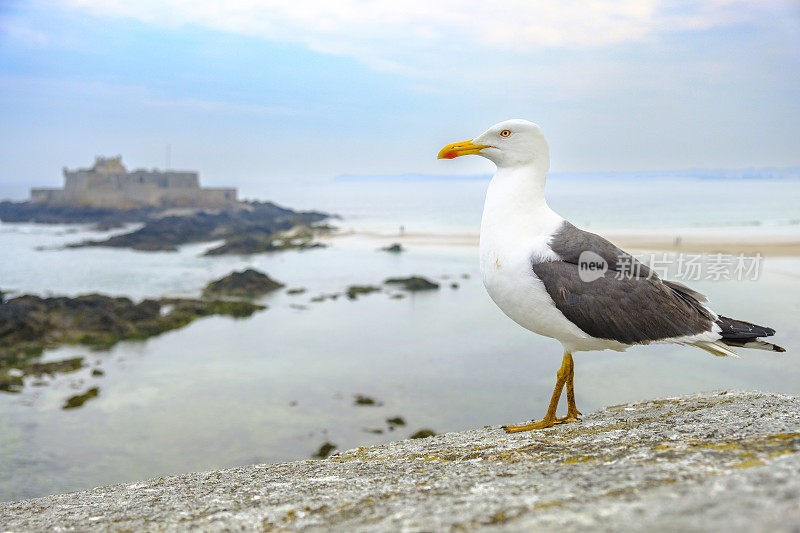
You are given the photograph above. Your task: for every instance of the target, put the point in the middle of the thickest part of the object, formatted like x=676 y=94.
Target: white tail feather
x=716 y=348
x=759 y=345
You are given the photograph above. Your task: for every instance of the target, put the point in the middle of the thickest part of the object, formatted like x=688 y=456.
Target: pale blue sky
x=253 y=91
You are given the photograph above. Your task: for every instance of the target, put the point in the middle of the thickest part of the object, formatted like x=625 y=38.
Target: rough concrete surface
x=710 y=461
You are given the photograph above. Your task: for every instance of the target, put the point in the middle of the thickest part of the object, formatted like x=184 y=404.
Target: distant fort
x=109 y=184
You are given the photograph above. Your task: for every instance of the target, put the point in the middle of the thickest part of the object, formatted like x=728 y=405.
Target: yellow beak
x=451 y=151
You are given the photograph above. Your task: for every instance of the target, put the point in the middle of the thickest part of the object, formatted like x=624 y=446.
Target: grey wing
x=631 y=307
x=570 y=242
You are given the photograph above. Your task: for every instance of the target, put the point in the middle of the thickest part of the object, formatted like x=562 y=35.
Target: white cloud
x=394 y=36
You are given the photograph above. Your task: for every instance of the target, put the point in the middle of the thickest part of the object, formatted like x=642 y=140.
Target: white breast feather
x=513 y=234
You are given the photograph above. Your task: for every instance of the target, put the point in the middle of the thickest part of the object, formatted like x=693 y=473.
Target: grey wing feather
x=631 y=307
x=570 y=242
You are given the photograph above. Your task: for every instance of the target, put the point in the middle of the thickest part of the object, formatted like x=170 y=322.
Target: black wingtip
x=732 y=329
x=778 y=348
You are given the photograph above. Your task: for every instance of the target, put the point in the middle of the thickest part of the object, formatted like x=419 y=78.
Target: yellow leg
x=572 y=409
x=564 y=376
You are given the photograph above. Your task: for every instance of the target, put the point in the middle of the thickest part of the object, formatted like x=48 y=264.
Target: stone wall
x=47 y=194
x=133 y=196
x=108 y=184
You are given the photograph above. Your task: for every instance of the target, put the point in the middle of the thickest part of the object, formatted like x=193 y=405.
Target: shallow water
x=275 y=386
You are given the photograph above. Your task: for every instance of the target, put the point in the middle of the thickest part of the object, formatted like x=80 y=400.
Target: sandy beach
x=767 y=241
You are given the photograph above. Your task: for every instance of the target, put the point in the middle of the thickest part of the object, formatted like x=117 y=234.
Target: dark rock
x=78 y=400
x=396 y=421
x=360 y=399
x=323 y=297
x=29 y=324
x=312 y=245
x=244 y=245
x=422 y=434
x=254 y=244
x=395 y=248
x=96 y=372
x=54 y=367
x=413 y=283
x=298 y=290
x=355 y=290
x=250 y=227
x=298 y=236
x=454 y=285
x=167 y=232
x=246 y=284
x=64 y=214
x=324 y=450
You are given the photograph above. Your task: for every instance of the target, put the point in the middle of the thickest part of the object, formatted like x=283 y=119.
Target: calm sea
x=593 y=201
x=274 y=387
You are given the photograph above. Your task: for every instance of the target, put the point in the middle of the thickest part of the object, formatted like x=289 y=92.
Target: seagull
x=572 y=285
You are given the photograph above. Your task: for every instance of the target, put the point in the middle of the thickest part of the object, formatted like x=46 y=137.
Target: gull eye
x=505 y=133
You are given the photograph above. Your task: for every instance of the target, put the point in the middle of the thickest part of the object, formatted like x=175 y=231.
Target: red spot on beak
x=451 y=155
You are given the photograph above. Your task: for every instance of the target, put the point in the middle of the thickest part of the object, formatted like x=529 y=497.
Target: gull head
x=511 y=143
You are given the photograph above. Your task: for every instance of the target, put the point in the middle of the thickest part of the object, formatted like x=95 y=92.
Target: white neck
x=515 y=202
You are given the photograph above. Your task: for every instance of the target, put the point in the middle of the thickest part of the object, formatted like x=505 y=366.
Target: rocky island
x=709 y=461
x=246 y=284
x=170 y=209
